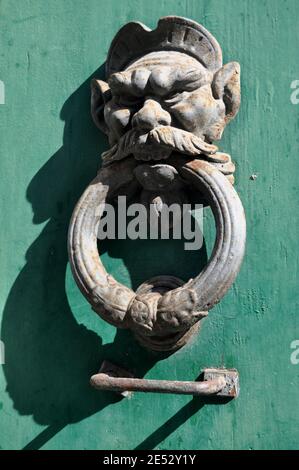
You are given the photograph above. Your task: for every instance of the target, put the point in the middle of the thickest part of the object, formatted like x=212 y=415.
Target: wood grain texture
x=50 y=151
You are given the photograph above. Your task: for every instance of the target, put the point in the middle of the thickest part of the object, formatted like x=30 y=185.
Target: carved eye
x=174 y=98
x=129 y=101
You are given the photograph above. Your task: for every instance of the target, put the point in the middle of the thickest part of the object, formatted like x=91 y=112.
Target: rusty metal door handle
x=217 y=382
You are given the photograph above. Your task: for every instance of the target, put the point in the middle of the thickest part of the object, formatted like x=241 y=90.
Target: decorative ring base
x=171 y=342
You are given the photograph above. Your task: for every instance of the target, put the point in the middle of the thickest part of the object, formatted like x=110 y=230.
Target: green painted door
x=50 y=150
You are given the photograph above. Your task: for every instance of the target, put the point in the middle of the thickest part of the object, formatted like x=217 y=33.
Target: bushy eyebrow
x=190 y=79
x=159 y=80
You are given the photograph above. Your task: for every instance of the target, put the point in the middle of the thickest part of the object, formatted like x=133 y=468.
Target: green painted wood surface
x=49 y=152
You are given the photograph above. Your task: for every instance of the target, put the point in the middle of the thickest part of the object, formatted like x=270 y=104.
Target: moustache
x=158 y=144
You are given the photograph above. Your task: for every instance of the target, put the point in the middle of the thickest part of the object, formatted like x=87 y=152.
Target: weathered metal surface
x=113 y=370
x=218 y=382
x=165 y=102
x=231 y=377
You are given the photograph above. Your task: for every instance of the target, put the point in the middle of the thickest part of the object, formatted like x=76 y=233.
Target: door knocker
x=166 y=100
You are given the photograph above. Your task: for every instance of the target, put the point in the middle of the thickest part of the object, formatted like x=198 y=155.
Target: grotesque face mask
x=173 y=100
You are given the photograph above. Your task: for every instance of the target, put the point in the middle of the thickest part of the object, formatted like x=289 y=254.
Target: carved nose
x=150 y=116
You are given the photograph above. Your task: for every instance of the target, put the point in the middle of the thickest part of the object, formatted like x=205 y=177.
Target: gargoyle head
x=166 y=91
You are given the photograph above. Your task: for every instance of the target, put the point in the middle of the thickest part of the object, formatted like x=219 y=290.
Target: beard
x=157 y=144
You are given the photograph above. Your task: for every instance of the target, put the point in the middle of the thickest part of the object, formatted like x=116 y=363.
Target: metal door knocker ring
x=167 y=98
